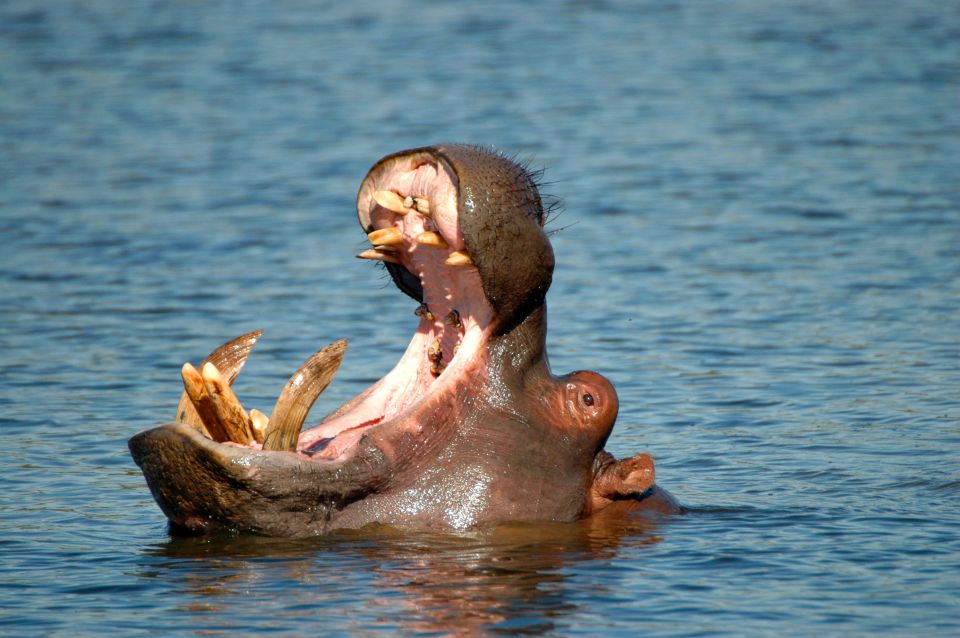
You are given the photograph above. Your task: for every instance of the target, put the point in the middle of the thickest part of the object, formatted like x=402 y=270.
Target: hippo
x=471 y=428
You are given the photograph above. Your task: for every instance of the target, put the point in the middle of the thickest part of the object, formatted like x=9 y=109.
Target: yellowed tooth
x=379 y=254
x=422 y=204
x=453 y=319
x=391 y=201
x=229 y=359
x=423 y=311
x=459 y=258
x=434 y=353
x=234 y=418
x=389 y=236
x=259 y=421
x=431 y=238
x=203 y=404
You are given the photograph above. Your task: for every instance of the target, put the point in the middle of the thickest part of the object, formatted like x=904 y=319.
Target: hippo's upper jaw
x=470 y=427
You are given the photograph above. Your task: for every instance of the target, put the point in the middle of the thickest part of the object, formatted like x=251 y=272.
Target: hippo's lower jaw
x=468 y=428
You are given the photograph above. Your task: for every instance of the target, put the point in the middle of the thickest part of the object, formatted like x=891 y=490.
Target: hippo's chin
x=469 y=427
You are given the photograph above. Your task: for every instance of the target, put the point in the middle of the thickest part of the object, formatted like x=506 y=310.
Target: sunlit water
x=760 y=247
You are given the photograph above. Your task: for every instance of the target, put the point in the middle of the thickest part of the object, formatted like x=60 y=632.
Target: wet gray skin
x=471 y=428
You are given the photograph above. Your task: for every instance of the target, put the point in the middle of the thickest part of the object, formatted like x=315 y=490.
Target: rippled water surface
x=760 y=247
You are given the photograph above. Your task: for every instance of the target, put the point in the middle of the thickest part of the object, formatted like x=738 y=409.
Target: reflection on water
x=512 y=579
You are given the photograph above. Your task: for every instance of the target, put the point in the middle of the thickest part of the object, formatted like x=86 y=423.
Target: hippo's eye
x=588 y=399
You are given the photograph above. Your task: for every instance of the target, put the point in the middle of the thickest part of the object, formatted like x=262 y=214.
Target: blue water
x=760 y=246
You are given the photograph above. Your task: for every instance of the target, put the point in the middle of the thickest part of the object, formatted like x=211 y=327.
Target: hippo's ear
x=501 y=217
x=615 y=480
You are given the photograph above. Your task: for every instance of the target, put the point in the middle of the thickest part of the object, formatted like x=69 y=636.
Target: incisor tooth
x=390 y=236
x=391 y=201
x=431 y=238
x=203 y=404
x=259 y=421
x=459 y=258
x=234 y=418
x=422 y=205
x=378 y=254
x=229 y=359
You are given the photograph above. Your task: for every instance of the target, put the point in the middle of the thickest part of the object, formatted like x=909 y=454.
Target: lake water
x=760 y=246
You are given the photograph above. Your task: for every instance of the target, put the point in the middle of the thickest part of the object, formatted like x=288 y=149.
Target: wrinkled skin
x=478 y=431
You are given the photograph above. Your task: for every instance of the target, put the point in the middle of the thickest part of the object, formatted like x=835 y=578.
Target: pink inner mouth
x=454 y=318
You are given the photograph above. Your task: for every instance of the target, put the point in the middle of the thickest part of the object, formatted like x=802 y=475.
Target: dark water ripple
x=758 y=244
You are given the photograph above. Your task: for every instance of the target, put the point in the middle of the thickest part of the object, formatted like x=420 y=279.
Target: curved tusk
x=229 y=359
x=298 y=397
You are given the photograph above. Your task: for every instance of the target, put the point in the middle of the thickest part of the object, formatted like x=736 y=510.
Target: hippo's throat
x=419 y=397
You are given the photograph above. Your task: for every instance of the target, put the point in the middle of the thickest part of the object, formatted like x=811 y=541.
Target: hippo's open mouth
x=409 y=208
x=469 y=427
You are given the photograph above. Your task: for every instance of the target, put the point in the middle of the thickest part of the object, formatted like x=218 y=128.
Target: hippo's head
x=470 y=427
